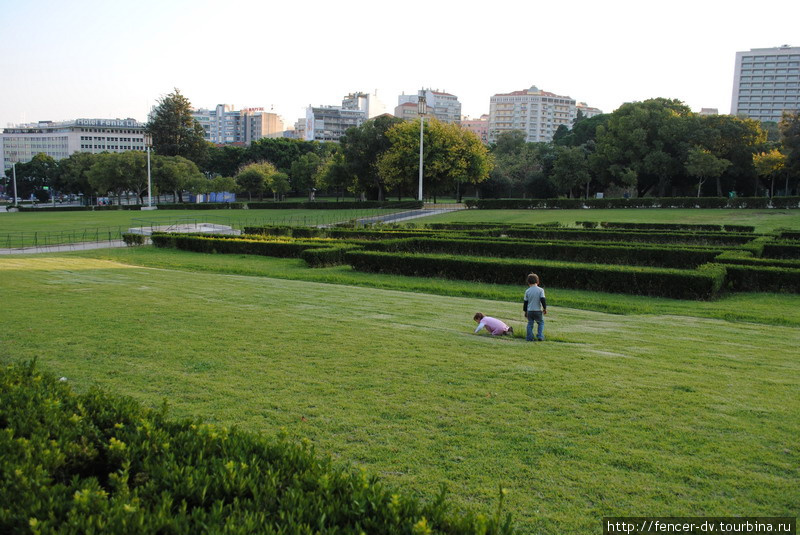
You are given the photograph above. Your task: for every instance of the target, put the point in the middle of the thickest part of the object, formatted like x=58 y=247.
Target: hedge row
x=99 y=463
x=331 y=205
x=328 y=256
x=790 y=235
x=752 y=278
x=676 y=226
x=642 y=202
x=781 y=250
x=644 y=236
x=701 y=283
x=671 y=257
x=234 y=245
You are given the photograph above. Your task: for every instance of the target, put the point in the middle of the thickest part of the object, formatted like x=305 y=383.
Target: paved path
x=85 y=246
x=429 y=209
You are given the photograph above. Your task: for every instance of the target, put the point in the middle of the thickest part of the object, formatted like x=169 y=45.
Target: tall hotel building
x=445 y=107
x=766 y=81
x=59 y=140
x=533 y=111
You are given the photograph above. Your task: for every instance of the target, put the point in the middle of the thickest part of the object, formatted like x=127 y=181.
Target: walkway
x=64 y=248
x=427 y=210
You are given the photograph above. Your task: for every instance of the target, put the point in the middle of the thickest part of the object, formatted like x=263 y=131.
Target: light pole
x=14 y=172
x=148 y=142
x=421 y=109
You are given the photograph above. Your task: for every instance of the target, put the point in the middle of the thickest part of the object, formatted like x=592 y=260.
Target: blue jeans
x=538 y=317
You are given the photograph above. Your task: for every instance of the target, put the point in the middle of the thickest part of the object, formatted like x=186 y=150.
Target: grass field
x=763 y=220
x=670 y=409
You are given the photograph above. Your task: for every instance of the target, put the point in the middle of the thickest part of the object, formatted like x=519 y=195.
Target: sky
x=62 y=60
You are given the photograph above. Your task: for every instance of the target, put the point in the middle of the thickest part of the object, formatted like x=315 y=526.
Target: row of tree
x=657 y=147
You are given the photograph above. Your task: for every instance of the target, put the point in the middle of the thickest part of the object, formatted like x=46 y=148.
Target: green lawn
x=667 y=413
x=763 y=220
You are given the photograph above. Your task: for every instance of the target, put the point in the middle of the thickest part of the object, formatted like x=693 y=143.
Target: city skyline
x=89 y=58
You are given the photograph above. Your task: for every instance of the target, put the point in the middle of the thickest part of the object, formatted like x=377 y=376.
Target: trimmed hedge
x=234 y=245
x=672 y=257
x=645 y=236
x=676 y=226
x=327 y=256
x=790 y=235
x=701 y=283
x=332 y=205
x=750 y=278
x=641 y=202
x=99 y=463
x=133 y=239
x=781 y=250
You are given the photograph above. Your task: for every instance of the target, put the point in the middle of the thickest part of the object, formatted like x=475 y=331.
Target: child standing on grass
x=493 y=325
x=534 y=307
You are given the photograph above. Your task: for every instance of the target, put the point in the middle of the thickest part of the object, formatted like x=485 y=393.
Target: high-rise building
x=224 y=124
x=366 y=102
x=479 y=127
x=329 y=123
x=533 y=111
x=587 y=110
x=443 y=106
x=61 y=139
x=766 y=81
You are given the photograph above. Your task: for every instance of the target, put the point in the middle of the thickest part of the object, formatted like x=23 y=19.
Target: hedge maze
x=676 y=261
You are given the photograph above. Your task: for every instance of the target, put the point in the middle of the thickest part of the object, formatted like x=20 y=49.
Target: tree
x=175 y=174
x=769 y=165
x=73 y=174
x=35 y=177
x=224 y=161
x=451 y=157
x=570 y=170
x=253 y=178
x=174 y=130
x=279 y=184
x=336 y=174
x=734 y=139
x=703 y=165
x=790 y=138
x=304 y=174
x=649 y=138
x=362 y=146
x=281 y=152
x=118 y=172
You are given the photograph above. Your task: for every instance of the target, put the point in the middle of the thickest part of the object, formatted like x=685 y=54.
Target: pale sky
x=62 y=60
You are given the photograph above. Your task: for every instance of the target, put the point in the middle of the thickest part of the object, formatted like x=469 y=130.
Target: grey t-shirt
x=533 y=296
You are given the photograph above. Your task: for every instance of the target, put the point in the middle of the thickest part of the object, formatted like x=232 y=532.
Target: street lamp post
x=14 y=172
x=148 y=142
x=421 y=109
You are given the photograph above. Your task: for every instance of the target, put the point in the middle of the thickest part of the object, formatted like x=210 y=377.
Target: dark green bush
x=790 y=235
x=673 y=257
x=97 y=463
x=759 y=278
x=133 y=239
x=644 y=236
x=784 y=249
x=327 y=256
x=253 y=245
x=641 y=202
x=701 y=283
x=661 y=226
x=587 y=224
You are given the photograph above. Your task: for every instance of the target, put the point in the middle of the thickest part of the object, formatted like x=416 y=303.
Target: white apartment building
x=443 y=106
x=537 y=113
x=766 y=81
x=224 y=124
x=329 y=123
x=366 y=102
x=587 y=110
x=59 y=140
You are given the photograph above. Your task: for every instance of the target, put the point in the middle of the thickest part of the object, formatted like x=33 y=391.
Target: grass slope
x=620 y=415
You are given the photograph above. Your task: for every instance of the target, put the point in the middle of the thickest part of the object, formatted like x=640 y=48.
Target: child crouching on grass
x=493 y=325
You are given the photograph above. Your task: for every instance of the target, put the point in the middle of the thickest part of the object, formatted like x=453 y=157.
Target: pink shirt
x=493 y=325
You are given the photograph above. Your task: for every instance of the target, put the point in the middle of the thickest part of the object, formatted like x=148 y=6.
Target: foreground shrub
x=98 y=463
